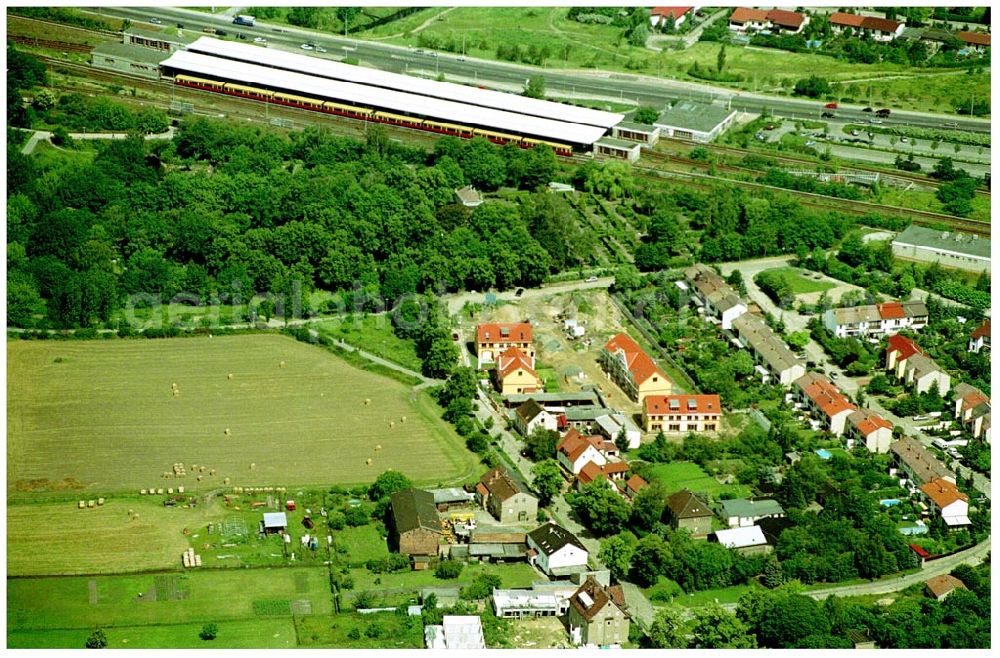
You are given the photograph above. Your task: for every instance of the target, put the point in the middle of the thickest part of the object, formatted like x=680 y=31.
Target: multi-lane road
x=646 y=90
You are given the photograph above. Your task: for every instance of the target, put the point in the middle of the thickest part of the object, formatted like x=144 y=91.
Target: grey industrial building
x=948 y=248
x=132 y=60
x=699 y=122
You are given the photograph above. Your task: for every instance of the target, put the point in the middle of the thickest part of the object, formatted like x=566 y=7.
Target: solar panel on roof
x=374 y=97
x=325 y=68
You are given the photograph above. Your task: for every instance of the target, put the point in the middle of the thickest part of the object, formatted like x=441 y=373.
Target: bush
x=813 y=87
x=209 y=632
x=354 y=633
x=97 y=640
x=448 y=569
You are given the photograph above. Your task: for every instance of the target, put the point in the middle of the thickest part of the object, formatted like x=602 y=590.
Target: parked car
x=260 y=40
x=834 y=374
x=831 y=106
x=306 y=46
x=883 y=113
x=874 y=121
x=921 y=418
x=854 y=133
x=591 y=279
x=810 y=143
x=904 y=139
x=950 y=124
x=828 y=115
x=155 y=21
x=320 y=49
x=519 y=292
x=769 y=126
x=180 y=26
x=868 y=109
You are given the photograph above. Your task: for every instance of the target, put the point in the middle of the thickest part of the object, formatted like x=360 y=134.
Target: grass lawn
x=233 y=634
x=46 y=156
x=799 y=283
x=100 y=416
x=396 y=632
x=182 y=598
x=550 y=379
x=680 y=475
x=723 y=595
x=362 y=543
x=373 y=334
x=518 y=574
x=926 y=200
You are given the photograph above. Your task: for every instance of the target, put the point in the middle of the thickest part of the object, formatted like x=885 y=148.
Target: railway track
x=50 y=44
x=13 y=19
x=848 y=206
x=811 y=164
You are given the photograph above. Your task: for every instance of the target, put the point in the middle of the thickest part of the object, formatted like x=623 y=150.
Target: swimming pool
x=888 y=502
x=824 y=453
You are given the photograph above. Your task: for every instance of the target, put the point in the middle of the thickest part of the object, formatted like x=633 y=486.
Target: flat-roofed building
x=521 y=603
x=619 y=149
x=129 y=59
x=699 y=122
x=637 y=132
x=949 y=248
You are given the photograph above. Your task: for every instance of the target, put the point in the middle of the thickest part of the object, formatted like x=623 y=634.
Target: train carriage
x=191 y=81
x=496 y=137
x=448 y=128
x=348 y=110
x=252 y=92
x=302 y=101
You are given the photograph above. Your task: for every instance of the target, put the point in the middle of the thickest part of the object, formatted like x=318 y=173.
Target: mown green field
x=97 y=417
x=373 y=334
x=681 y=475
x=801 y=284
x=253 y=608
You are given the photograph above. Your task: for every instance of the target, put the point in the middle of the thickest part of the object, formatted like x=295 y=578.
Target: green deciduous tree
x=601 y=509
x=535 y=88
x=548 y=480
x=387 y=484
x=715 y=628
x=646 y=114
x=667 y=630
x=616 y=554
x=209 y=632
x=97 y=640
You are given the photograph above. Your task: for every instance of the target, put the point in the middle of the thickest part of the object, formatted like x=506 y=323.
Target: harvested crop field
x=117 y=415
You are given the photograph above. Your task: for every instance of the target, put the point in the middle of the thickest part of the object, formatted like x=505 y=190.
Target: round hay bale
x=369 y=462
x=367 y=401
x=391 y=424
x=230 y=375
x=180 y=489
x=253 y=466
x=211 y=472
x=403 y=419
x=226 y=432
x=142 y=492
x=176 y=393
x=159 y=491
x=131 y=512
x=170 y=491
x=378 y=447
x=135 y=516
x=174 y=385
x=82 y=504
x=225 y=481
x=199 y=478
x=91 y=503
x=100 y=501
x=281 y=365
x=201 y=469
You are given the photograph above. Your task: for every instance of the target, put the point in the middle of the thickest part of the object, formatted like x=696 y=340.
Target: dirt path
x=426 y=24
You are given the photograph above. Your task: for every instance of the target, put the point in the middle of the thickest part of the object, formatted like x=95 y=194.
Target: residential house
x=456 y=632
x=492 y=339
x=416 y=527
x=741 y=513
x=746 y=539
x=941 y=586
x=505 y=498
x=879 y=29
x=689 y=512
x=976 y=41
x=611 y=472
x=575 y=450
x=911 y=460
x=980 y=338
x=898 y=350
x=661 y=15
x=871 y=429
x=633 y=486
x=597 y=615
x=712 y=292
x=515 y=373
x=876 y=320
x=782 y=20
x=611 y=425
x=744 y=19
x=555 y=550
x=632 y=369
x=531 y=415
x=682 y=413
x=973 y=410
x=772 y=355
x=922 y=373
x=824 y=401
x=948 y=502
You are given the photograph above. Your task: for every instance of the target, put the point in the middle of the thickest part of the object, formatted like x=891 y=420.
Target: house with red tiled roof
x=633 y=486
x=493 y=338
x=575 y=450
x=973 y=410
x=941 y=586
x=898 y=349
x=515 y=373
x=980 y=338
x=632 y=369
x=977 y=41
x=870 y=429
x=744 y=19
x=824 y=401
x=611 y=472
x=879 y=29
x=681 y=413
x=948 y=502
x=660 y=15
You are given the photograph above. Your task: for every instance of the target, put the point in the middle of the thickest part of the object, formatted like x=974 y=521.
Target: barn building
x=416 y=529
